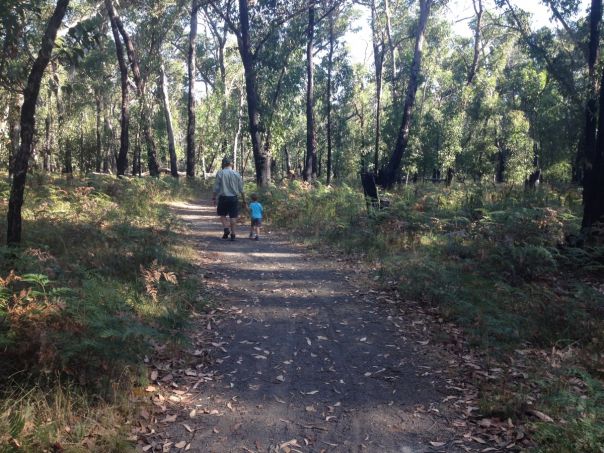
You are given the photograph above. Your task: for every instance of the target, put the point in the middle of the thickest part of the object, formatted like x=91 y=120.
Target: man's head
x=226 y=162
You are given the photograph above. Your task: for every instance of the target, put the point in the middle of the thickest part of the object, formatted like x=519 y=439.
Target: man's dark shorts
x=228 y=206
x=256 y=222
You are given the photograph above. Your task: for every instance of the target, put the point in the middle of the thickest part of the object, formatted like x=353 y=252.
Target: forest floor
x=298 y=354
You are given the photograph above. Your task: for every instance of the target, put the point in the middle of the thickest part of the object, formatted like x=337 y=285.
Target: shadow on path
x=304 y=360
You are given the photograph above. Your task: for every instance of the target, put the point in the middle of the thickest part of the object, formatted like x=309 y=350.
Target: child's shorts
x=256 y=222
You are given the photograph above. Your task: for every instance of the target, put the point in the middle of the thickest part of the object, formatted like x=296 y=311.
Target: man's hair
x=255 y=197
x=226 y=162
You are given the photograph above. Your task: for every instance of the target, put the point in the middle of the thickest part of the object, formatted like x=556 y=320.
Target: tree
x=28 y=119
x=310 y=168
x=389 y=173
x=191 y=71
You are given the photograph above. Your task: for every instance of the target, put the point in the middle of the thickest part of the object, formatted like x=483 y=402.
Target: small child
x=256 y=211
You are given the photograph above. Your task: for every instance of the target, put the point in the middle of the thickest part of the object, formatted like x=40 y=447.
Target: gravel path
x=305 y=359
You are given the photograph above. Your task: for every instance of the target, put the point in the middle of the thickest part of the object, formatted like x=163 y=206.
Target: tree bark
x=28 y=118
x=593 y=201
x=474 y=67
x=328 y=100
x=310 y=169
x=389 y=173
x=378 y=60
x=168 y=115
x=191 y=70
x=122 y=157
x=392 y=50
x=261 y=160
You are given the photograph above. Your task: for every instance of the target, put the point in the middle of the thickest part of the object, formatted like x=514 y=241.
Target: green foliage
x=492 y=259
x=80 y=301
x=580 y=402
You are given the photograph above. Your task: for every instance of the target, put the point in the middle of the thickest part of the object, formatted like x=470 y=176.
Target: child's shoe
x=256 y=238
x=251 y=235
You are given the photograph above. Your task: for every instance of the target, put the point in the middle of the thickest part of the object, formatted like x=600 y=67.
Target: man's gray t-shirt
x=228 y=183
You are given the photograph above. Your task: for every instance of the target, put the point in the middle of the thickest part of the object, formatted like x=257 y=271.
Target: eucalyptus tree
x=28 y=118
x=253 y=24
x=389 y=173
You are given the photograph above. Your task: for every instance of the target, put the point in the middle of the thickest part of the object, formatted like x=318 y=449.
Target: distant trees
x=273 y=84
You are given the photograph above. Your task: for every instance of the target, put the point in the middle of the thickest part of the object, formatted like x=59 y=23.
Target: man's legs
x=225 y=224
x=233 y=222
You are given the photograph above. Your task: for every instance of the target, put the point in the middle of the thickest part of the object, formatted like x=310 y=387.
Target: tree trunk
x=378 y=60
x=239 y=127
x=47 y=135
x=310 y=170
x=122 y=157
x=328 y=100
x=392 y=50
x=389 y=173
x=593 y=201
x=28 y=118
x=168 y=115
x=261 y=160
x=99 y=135
x=474 y=67
x=586 y=155
x=140 y=86
x=191 y=68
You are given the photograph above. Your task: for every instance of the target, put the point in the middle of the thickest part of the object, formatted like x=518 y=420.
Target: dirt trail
x=304 y=360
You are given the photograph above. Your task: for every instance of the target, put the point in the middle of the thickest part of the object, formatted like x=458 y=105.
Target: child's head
x=254 y=197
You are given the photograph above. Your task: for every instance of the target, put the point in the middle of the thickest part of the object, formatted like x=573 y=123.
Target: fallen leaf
x=280 y=378
x=540 y=415
x=438 y=444
x=181 y=444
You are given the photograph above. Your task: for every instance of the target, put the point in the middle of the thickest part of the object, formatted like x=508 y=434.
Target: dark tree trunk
x=389 y=173
x=593 y=185
x=328 y=100
x=378 y=61
x=310 y=169
x=122 y=157
x=28 y=118
x=261 y=160
x=168 y=115
x=474 y=67
x=191 y=68
x=586 y=155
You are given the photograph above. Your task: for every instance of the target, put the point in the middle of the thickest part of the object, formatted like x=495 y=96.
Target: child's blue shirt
x=256 y=210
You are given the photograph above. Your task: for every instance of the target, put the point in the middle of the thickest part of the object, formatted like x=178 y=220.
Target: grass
x=495 y=261
x=102 y=275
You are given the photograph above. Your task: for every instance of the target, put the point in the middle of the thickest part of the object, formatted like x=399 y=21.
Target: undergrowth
x=495 y=260
x=97 y=282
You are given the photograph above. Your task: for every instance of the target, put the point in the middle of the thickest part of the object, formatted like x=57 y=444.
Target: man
x=227 y=187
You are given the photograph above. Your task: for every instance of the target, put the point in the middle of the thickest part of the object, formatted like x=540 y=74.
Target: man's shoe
x=232 y=237
x=226 y=233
